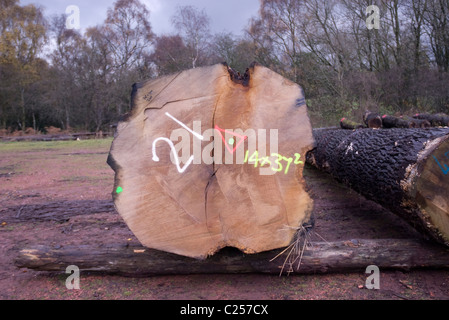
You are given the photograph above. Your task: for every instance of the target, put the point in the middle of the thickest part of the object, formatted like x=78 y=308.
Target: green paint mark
x=119 y=190
x=231 y=141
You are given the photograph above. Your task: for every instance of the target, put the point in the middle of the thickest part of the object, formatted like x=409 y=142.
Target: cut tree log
x=436 y=120
x=322 y=257
x=241 y=186
x=418 y=123
x=348 y=124
x=395 y=122
x=404 y=170
x=372 y=120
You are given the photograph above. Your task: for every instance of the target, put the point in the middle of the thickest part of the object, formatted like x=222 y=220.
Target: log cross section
x=208 y=158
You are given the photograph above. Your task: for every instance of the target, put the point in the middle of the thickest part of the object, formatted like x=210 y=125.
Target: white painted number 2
x=175 y=155
x=172 y=147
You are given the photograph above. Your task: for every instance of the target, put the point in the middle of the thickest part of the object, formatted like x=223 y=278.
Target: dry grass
x=295 y=251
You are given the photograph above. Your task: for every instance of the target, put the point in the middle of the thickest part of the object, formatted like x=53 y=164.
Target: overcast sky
x=226 y=15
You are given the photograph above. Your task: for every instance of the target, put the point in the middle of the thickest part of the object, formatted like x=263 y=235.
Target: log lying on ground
x=348 y=124
x=418 y=123
x=193 y=205
x=322 y=257
x=395 y=122
x=436 y=120
x=405 y=170
x=59 y=211
x=372 y=120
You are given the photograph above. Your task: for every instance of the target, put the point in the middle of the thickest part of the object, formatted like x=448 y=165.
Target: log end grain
x=196 y=206
x=431 y=189
x=372 y=120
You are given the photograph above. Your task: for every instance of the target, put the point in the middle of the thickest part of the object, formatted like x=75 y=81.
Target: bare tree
x=278 y=29
x=437 y=19
x=128 y=32
x=416 y=12
x=170 y=55
x=237 y=52
x=193 y=26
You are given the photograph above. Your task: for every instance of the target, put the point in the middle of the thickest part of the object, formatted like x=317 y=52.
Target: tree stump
x=405 y=170
x=208 y=158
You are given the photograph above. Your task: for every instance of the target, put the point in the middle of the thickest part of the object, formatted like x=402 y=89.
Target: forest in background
x=54 y=76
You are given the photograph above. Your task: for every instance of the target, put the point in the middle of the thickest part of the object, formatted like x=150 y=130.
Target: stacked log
x=418 y=123
x=394 y=122
x=375 y=121
x=436 y=120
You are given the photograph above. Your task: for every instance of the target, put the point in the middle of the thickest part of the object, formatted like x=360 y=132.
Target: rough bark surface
x=404 y=170
x=436 y=120
x=395 y=122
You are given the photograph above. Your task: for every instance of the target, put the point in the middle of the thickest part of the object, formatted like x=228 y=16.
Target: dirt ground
x=59 y=193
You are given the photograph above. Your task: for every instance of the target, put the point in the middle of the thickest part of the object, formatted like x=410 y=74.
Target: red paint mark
x=242 y=138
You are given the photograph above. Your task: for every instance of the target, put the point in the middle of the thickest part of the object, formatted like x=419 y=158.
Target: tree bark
x=436 y=120
x=395 y=122
x=322 y=257
x=404 y=170
x=418 y=123
x=193 y=205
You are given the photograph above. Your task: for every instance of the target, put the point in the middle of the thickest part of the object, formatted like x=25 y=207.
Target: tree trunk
x=405 y=170
x=322 y=257
x=242 y=186
x=22 y=107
